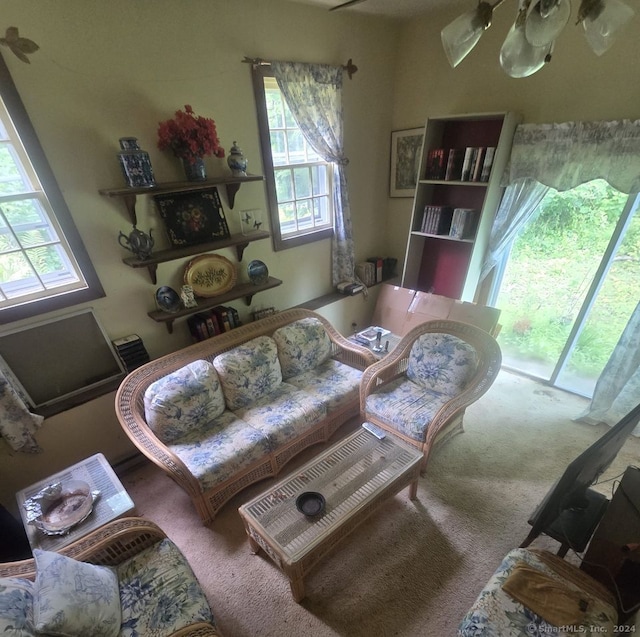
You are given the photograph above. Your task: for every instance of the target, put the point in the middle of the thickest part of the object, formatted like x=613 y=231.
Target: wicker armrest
x=109 y=545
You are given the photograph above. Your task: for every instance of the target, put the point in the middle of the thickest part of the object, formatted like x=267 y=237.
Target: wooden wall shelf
x=246 y=290
x=129 y=195
x=239 y=241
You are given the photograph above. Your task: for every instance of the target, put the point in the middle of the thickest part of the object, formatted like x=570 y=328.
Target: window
x=299 y=181
x=43 y=263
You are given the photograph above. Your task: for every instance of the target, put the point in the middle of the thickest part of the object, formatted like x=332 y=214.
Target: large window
x=298 y=180
x=43 y=263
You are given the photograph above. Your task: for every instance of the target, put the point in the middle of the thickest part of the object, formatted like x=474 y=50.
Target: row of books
x=219 y=319
x=458 y=223
x=472 y=163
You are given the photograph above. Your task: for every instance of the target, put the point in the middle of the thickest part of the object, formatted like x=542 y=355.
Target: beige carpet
x=413 y=568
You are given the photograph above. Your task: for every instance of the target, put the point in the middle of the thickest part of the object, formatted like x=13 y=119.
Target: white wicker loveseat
x=224 y=413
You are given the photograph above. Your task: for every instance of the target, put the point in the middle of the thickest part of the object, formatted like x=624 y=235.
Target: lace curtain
x=313 y=93
x=563 y=156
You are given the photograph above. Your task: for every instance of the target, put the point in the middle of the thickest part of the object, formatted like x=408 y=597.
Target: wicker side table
x=355 y=476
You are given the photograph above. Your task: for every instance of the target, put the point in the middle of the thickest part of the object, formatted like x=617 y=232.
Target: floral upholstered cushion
x=183 y=400
x=332 y=382
x=159 y=593
x=16 y=607
x=497 y=614
x=284 y=414
x=407 y=405
x=249 y=371
x=75 y=598
x=442 y=363
x=302 y=346
x=220 y=449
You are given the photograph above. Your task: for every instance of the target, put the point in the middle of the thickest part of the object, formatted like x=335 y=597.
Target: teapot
x=137 y=242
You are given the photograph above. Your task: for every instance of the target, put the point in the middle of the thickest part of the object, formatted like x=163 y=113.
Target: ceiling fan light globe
x=518 y=58
x=543 y=30
x=460 y=36
x=601 y=28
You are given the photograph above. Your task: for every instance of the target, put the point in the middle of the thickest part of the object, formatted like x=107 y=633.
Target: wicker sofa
x=155 y=590
x=229 y=411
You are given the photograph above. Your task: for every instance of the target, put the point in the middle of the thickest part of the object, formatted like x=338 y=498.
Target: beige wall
x=111 y=69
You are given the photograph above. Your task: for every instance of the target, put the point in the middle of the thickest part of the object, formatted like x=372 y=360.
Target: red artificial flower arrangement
x=189 y=136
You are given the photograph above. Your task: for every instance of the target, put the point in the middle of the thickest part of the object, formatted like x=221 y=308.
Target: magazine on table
x=371 y=333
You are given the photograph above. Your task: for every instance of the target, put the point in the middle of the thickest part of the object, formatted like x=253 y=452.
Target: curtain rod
x=349 y=67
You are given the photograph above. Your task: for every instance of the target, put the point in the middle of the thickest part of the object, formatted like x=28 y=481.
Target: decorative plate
x=210 y=275
x=258 y=272
x=168 y=299
x=70 y=507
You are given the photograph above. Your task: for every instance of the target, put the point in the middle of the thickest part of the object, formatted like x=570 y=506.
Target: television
x=571 y=509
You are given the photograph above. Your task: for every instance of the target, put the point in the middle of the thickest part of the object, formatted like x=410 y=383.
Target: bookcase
x=457 y=194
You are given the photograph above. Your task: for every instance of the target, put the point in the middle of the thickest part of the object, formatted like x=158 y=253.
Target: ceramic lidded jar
x=135 y=164
x=237 y=161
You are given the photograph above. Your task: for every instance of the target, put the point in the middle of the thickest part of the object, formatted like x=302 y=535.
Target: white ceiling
x=391 y=8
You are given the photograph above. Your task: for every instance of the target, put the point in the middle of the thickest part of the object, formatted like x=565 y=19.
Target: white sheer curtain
x=563 y=156
x=314 y=95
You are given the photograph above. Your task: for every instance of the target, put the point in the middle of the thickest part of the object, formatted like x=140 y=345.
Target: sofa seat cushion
x=284 y=414
x=441 y=363
x=302 y=346
x=495 y=612
x=332 y=382
x=182 y=400
x=16 y=607
x=159 y=593
x=406 y=405
x=220 y=449
x=249 y=371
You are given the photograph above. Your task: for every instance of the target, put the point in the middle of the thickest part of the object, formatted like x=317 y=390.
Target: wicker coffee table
x=355 y=476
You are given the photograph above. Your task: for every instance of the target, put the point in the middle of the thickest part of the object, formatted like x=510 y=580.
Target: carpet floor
x=414 y=568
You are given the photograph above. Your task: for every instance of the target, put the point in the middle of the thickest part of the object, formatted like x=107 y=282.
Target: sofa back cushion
x=442 y=363
x=249 y=371
x=182 y=400
x=302 y=346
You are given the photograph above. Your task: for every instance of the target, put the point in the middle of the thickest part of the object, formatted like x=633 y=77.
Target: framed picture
x=191 y=218
x=406 y=147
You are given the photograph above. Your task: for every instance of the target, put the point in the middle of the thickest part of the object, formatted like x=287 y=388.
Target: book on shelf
x=436 y=164
x=468 y=163
x=462 y=223
x=222 y=314
x=477 y=166
x=455 y=159
x=488 y=163
x=436 y=219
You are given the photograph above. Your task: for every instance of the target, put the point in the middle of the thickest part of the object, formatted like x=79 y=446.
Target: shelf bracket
x=232 y=189
x=130 y=203
x=240 y=250
x=169 y=325
x=248 y=299
x=153 y=270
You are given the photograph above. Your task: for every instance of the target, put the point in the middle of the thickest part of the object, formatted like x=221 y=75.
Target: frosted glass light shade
x=542 y=31
x=460 y=36
x=601 y=29
x=518 y=57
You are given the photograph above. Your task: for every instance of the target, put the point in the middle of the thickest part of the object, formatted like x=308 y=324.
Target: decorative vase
x=195 y=171
x=237 y=161
x=135 y=164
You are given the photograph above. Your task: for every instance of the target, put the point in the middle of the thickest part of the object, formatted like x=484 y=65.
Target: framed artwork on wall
x=406 y=146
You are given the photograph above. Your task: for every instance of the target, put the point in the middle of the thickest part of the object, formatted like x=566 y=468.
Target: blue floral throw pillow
x=16 y=607
x=75 y=599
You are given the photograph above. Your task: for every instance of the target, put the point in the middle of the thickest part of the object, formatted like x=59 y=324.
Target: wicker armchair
x=421 y=394
x=112 y=545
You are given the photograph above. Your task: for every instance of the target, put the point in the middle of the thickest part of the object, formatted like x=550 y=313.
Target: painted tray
x=210 y=275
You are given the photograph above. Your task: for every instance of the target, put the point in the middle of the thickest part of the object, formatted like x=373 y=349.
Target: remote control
x=376 y=431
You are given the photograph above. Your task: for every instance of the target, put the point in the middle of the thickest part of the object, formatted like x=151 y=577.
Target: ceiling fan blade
x=344 y=5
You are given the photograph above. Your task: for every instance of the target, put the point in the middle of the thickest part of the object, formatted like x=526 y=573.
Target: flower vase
x=194 y=171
